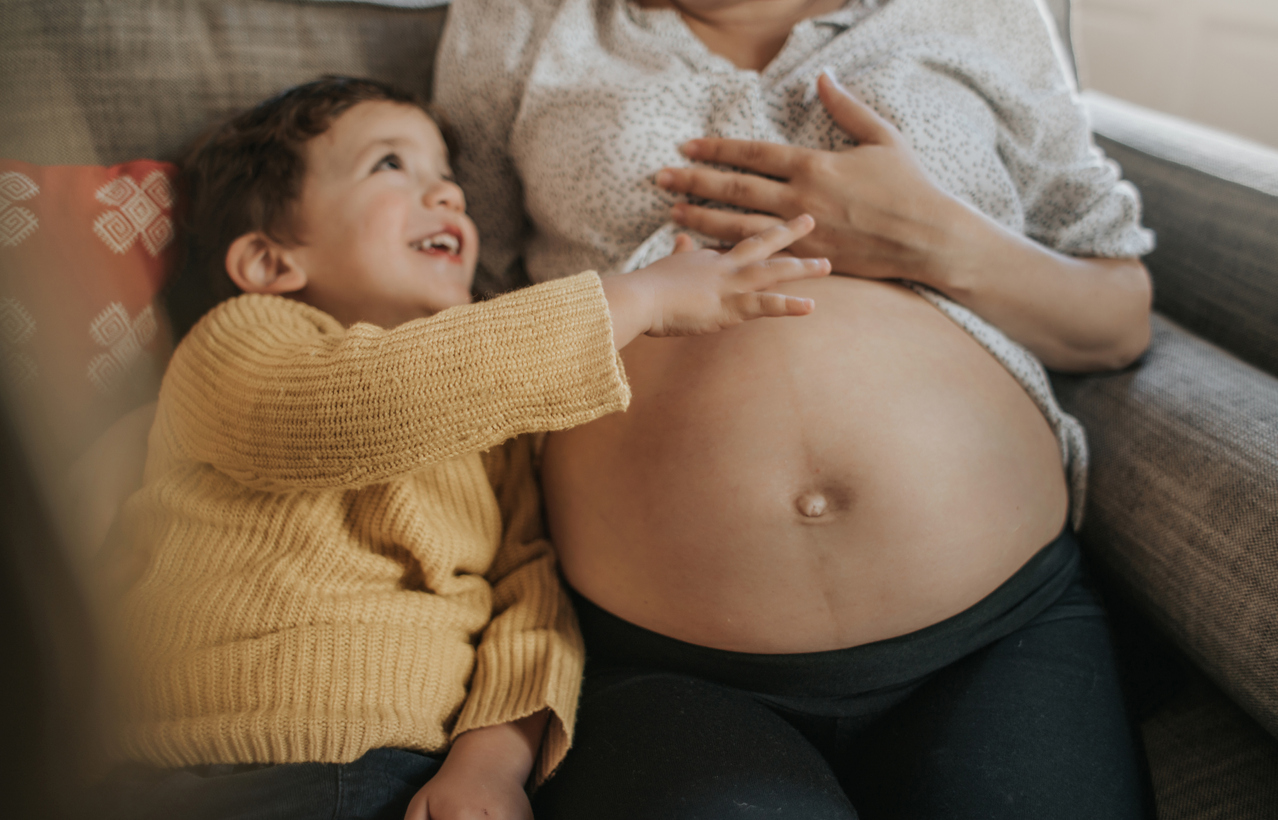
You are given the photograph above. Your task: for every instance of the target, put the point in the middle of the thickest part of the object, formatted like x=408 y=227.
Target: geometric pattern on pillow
x=138 y=211
x=16 y=222
x=84 y=250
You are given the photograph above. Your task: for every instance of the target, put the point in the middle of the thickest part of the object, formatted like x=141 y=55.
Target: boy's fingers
x=777 y=269
x=762 y=245
x=759 y=305
x=684 y=244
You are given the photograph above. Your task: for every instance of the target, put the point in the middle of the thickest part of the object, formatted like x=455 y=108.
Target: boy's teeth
x=443 y=240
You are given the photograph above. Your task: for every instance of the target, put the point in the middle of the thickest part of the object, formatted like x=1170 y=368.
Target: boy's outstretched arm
x=303 y=403
x=280 y=396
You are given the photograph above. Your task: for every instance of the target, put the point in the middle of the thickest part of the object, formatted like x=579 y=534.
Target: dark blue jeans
x=377 y=786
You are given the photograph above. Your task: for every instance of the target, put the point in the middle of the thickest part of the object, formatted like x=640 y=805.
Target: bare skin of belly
x=799 y=485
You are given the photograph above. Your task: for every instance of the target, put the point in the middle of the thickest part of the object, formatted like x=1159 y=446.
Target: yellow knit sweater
x=340 y=552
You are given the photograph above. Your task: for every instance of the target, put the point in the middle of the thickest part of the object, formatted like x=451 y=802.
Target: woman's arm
x=879 y=216
x=1076 y=314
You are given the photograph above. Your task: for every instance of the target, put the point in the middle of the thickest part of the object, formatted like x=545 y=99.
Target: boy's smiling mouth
x=447 y=242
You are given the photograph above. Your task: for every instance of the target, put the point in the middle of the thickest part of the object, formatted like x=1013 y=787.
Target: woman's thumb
x=855 y=117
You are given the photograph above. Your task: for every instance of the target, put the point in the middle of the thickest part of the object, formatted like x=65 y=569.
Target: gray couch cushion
x=1183 y=503
x=1208 y=760
x=106 y=82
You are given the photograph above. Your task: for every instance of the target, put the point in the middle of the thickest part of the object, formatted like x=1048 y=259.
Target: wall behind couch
x=1213 y=61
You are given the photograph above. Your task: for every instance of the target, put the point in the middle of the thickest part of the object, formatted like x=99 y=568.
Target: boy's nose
x=445 y=194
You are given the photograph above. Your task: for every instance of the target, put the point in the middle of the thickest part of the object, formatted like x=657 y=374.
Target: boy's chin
x=442 y=302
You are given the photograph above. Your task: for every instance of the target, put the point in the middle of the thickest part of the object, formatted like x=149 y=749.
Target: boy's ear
x=258 y=264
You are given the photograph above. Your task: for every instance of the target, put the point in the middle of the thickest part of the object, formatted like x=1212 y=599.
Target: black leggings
x=1010 y=709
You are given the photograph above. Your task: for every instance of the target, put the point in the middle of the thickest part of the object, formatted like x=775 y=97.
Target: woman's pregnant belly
x=796 y=485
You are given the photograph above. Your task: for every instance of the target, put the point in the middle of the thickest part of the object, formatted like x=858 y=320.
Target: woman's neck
x=747 y=32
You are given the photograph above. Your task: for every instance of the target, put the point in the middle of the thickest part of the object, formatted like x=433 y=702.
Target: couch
x=1182 y=518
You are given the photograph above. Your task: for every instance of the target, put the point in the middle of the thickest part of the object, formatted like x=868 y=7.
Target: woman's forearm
x=1076 y=314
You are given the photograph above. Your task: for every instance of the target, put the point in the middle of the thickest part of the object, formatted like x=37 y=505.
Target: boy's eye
x=389 y=162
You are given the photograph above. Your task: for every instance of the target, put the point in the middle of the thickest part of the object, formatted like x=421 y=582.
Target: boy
x=345 y=573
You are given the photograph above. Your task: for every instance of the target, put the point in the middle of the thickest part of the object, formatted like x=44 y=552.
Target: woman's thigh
x=662 y=746
x=1032 y=726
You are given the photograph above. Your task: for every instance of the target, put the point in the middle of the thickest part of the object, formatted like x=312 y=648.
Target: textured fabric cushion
x=1183 y=504
x=83 y=251
x=93 y=83
x=99 y=83
x=1215 y=269
x=1208 y=760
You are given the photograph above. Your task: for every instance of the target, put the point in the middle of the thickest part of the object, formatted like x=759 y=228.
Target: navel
x=812 y=505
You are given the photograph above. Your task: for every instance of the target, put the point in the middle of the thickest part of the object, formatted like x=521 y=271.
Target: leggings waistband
x=613 y=643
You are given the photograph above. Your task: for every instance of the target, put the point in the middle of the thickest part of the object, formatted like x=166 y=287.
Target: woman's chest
x=598 y=120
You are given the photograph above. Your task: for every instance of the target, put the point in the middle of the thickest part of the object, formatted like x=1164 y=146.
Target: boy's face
x=382 y=232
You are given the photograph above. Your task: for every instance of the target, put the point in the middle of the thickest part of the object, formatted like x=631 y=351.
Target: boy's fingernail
x=664 y=178
x=677 y=212
x=690 y=147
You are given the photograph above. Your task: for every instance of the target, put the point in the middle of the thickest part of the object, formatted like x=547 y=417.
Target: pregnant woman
x=823 y=568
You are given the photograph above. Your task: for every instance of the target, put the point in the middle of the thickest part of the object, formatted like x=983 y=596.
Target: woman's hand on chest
x=878 y=215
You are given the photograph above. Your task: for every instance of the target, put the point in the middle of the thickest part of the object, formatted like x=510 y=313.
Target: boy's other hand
x=483 y=775
x=703 y=291
x=469 y=795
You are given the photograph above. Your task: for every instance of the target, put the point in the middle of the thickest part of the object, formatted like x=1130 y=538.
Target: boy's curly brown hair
x=246 y=173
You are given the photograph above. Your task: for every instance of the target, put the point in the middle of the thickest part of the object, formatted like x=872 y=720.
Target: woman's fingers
x=726 y=226
x=743 y=190
x=770 y=158
x=762 y=245
x=860 y=121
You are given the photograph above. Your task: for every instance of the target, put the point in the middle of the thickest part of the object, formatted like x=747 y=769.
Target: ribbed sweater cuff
x=520 y=677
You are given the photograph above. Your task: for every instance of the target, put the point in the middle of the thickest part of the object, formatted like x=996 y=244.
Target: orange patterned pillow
x=83 y=252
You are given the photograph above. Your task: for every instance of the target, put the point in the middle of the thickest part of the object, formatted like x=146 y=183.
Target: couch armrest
x=1213 y=201
x=1183 y=504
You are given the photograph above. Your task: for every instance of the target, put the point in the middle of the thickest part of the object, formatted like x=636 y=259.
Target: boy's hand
x=703 y=291
x=483 y=775
x=469 y=794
